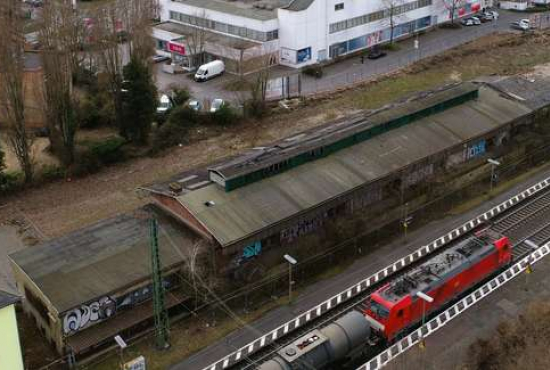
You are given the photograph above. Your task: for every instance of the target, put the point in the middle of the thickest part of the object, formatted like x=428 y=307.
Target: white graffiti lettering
x=88 y=314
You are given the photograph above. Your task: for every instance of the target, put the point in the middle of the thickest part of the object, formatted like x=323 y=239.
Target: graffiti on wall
x=418 y=175
x=87 y=314
x=303 y=227
x=97 y=311
x=470 y=151
x=475 y=150
x=249 y=252
x=363 y=200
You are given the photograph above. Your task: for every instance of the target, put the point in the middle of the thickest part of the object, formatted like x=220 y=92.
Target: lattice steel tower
x=162 y=325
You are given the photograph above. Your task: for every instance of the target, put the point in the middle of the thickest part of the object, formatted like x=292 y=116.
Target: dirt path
x=60 y=207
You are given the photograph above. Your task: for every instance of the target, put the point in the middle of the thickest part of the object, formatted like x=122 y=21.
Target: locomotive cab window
x=379 y=310
x=400 y=313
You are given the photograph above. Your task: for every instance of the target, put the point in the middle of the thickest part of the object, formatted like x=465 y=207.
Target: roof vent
x=209 y=203
x=175 y=187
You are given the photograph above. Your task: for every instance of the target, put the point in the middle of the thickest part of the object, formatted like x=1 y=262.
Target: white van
x=209 y=70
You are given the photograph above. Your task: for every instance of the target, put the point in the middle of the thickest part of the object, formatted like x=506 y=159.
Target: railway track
x=524 y=222
x=528 y=221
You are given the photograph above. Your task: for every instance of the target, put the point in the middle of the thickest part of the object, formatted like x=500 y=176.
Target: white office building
x=303 y=32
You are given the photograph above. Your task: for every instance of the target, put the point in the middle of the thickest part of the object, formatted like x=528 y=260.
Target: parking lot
x=351 y=71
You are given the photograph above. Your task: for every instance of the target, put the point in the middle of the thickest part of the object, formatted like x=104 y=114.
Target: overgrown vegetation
x=176 y=128
x=518 y=344
x=94 y=155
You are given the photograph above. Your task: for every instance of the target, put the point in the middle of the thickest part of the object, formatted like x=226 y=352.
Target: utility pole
x=159 y=309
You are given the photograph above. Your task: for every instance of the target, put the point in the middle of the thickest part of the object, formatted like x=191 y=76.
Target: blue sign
x=303 y=55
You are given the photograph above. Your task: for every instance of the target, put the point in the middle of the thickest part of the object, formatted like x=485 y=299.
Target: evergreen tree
x=2 y=163
x=139 y=101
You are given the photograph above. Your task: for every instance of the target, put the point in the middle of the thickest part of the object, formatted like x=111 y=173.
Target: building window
x=339 y=6
x=375 y=16
x=224 y=27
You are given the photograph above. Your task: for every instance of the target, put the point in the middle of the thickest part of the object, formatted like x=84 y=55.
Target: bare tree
x=110 y=54
x=394 y=14
x=61 y=44
x=260 y=82
x=12 y=84
x=197 y=37
x=136 y=17
x=191 y=256
x=453 y=6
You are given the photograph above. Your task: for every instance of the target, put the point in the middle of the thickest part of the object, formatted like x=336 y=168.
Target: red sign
x=176 y=48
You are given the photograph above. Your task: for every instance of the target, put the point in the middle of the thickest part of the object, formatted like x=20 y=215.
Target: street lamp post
x=121 y=345
x=425 y=298
x=291 y=261
x=493 y=163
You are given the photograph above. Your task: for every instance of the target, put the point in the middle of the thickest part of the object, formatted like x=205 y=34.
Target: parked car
x=216 y=105
x=165 y=104
x=376 y=53
x=484 y=18
x=490 y=15
x=194 y=105
x=210 y=70
x=522 y=24
x=471 y=21
x=159 y=58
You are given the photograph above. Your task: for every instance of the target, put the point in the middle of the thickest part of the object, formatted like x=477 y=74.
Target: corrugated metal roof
x=100 y=259
x=298 y=5
x=244 y=211
x=340 y=131
x=532 y=89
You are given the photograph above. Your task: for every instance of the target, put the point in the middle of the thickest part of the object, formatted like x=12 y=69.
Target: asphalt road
x=319 y=292
x=351 y=70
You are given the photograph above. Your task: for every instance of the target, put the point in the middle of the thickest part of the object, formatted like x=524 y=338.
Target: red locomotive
x=395 y=308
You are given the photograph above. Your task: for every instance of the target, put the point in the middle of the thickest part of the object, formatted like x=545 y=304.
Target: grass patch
x=502 y=54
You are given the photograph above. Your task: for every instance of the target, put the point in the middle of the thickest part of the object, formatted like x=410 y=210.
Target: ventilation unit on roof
x=175 y=187
x=209 y=203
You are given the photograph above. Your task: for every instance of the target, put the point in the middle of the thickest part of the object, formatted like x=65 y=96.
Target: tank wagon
x=321 y=347
x=395 y=308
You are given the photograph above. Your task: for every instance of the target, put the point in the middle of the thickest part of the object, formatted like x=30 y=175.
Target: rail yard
x=521 y=218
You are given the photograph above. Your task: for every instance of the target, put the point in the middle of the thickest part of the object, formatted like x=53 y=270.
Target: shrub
x=86 y=163
x=255 y=108
x=97 y=154
x=314 y=71
x=224 y=116
x=95 y=110
x=108 y=151
x=175 y=130
x=10 y=181
x=52 y=172
x=180 y=96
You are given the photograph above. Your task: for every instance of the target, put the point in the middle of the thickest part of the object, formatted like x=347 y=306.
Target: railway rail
x=443 y=318
x=521 y=218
